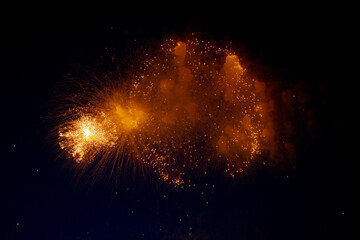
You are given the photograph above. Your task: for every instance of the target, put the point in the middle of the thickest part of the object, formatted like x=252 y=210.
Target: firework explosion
x=191 y=106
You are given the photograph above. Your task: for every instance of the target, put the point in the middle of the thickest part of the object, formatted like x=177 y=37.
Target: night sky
x=301 y=49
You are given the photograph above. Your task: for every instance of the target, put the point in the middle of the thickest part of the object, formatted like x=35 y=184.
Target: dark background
x=299 y=43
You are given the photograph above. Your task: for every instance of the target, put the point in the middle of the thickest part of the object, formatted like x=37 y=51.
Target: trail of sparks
x=192 y=105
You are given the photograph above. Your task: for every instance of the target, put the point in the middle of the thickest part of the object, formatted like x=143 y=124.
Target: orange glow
x=192 y=102
x=232 y=65
x=129 y=118
x=87 y=136
x=223 y=144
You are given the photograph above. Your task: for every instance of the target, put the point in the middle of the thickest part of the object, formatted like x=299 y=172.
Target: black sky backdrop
x=299 y=44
